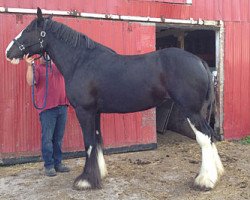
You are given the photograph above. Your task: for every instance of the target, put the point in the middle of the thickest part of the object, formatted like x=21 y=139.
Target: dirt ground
x=165 y=173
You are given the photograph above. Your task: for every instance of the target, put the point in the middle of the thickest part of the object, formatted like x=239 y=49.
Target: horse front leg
x=91 y=175
x=100 y=157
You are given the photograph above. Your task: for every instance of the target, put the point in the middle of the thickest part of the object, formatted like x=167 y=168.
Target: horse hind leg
x=211 y=167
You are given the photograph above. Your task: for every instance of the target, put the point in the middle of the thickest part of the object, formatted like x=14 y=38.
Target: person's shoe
x=61 y=168
x=50 y=172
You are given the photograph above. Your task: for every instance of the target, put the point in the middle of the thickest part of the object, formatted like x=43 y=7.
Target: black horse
x=98 y=80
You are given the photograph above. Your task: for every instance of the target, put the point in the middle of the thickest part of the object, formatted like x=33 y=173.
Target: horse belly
x=133 y=100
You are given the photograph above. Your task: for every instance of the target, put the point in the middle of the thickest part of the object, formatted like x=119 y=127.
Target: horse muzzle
x=14 y=61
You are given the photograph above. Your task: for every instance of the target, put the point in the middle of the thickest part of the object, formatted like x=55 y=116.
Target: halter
x=41 y=37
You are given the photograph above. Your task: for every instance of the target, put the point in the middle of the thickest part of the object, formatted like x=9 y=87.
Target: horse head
x=31 y=40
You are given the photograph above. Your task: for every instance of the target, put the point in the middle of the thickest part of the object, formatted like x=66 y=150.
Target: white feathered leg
x=100 y=158
x=218 y=163
x=101 y=162
x=211 y=165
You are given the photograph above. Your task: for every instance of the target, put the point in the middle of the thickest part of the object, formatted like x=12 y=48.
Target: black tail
x=208 y=108
x=201 y=124
x=210 y=92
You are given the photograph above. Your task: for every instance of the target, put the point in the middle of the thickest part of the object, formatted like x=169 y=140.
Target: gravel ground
x=165 y=173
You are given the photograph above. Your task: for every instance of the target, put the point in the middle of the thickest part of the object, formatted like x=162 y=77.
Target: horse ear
x=39 y=13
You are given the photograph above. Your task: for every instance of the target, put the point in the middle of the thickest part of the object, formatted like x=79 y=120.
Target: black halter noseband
x=41 y=37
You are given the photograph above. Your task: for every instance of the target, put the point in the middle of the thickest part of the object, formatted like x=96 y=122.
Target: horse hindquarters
x=211 y=167
x=95 y=167
x=189 y=84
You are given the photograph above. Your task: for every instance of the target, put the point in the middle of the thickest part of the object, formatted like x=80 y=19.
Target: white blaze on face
x=14 y=60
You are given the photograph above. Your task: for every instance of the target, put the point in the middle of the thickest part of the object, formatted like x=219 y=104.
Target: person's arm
x=29 y=73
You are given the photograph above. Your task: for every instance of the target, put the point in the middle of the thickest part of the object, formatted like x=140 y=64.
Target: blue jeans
x=53 y=123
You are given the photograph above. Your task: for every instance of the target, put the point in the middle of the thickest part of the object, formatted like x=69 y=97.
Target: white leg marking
x=208 y=175
x=89 y=151
x=101 y=162
x=83 y=184
x=217 y=161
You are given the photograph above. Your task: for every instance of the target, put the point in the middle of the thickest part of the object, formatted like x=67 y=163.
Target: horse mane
x=72 y=37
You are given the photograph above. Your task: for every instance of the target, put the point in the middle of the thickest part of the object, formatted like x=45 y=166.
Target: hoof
x=204 y=183
x=200 y=188
x=85 y=184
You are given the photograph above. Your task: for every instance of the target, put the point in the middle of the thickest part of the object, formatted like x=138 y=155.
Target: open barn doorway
x=201 y=42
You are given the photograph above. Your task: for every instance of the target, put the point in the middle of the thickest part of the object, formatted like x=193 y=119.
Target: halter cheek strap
x=42 y=35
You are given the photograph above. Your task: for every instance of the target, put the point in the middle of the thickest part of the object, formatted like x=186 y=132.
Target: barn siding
x=237 y=80
x=230 y=10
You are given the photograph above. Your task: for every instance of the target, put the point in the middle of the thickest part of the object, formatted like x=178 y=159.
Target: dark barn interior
x=198 y=42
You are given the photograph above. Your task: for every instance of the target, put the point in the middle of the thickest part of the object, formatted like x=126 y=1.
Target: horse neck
x=64 y=56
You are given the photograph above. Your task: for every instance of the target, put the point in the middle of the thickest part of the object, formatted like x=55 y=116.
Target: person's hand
x=28 y=59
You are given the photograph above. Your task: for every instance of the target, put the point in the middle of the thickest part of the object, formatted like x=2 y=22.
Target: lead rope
x=48 y=62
